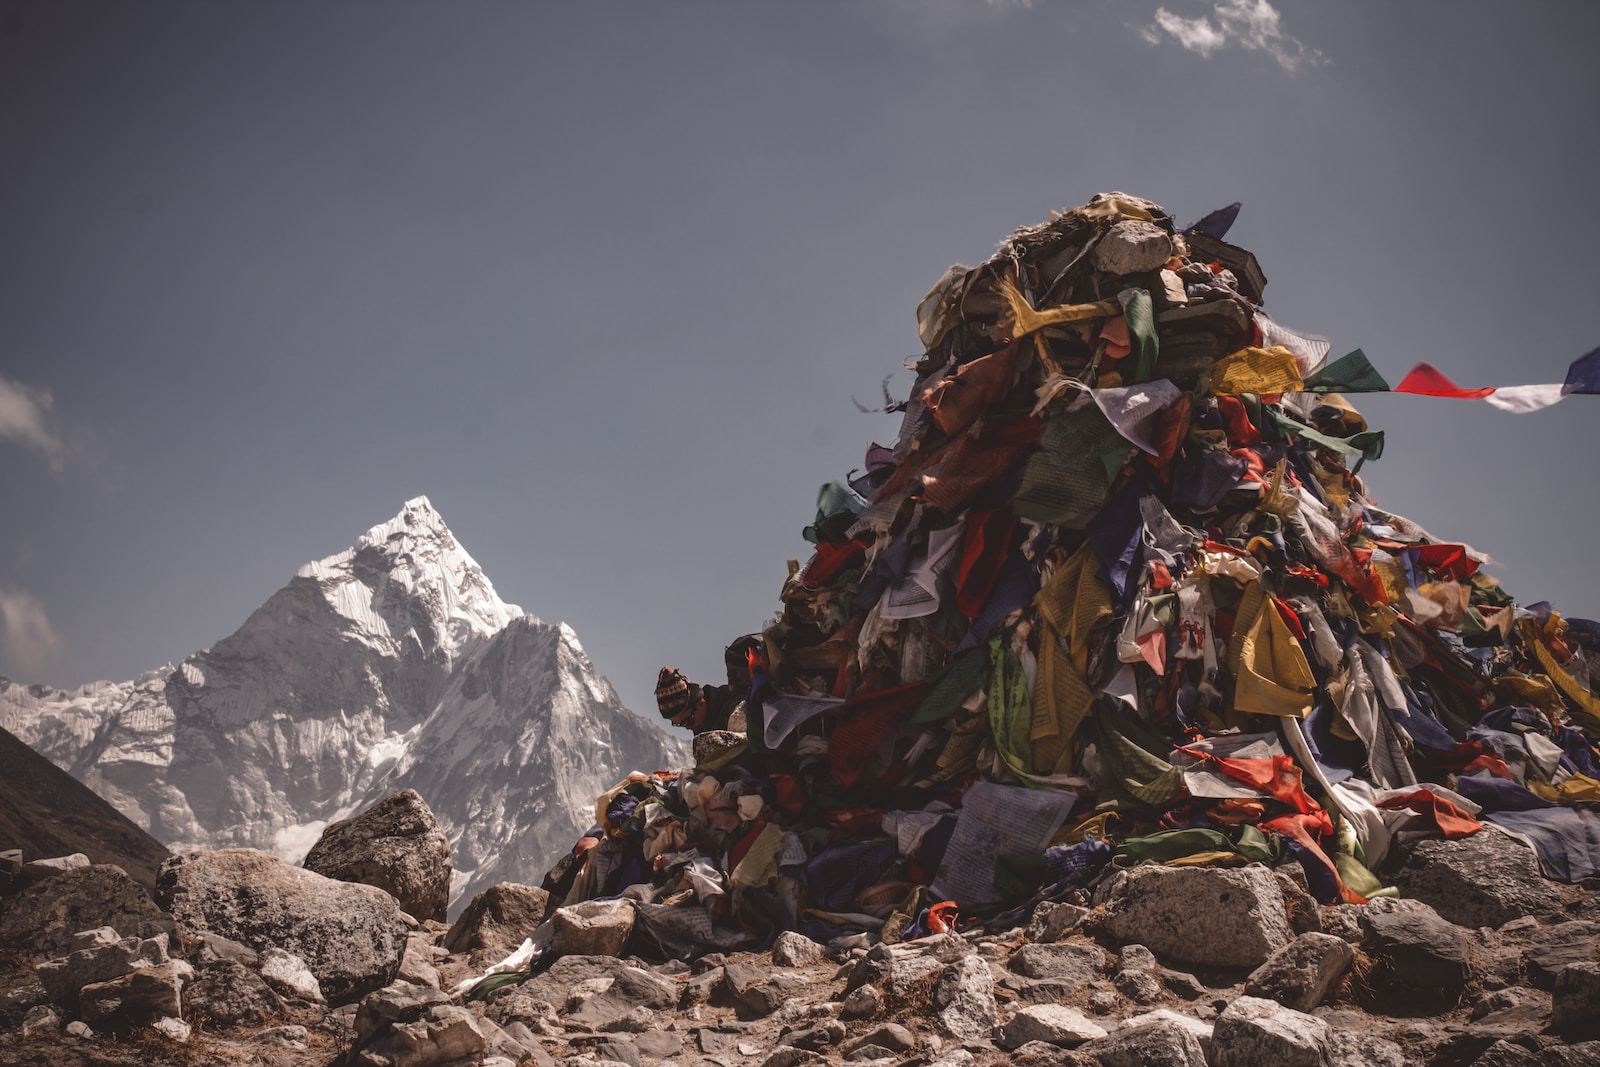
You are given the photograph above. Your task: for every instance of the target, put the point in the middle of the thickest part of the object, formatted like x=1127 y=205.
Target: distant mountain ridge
x=392 y=664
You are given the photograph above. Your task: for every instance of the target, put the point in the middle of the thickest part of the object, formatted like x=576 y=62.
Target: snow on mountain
x=389 y=665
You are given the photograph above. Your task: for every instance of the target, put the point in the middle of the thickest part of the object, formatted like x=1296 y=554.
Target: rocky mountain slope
x=392 y=664
x=48 y=812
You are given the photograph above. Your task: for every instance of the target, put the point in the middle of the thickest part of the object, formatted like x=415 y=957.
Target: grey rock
x=416 y=962
x=553 y=984
x=1141 y=987
x=955 y=1058
x=292 y=1036
x=1486 y=879
x=23 y=997
x=395 y=1003
x=79 y=1028
x=1104 y=1001
x=351 y=935
x=1575 y=1004
x=659 y=1044
x=865 y=1053
x=1217 y=917
x=1132 y=247
x=1351 y=1048
x=82 y=898
x=498 y=920
x=620 y=1050
x=42 y=1019
x=1252 y=1031
x=1041 y=990
x=964 y=999
x=1135 y=958
x=35 y=871
x=138 y=997
x=1506 y=1054
x=230 y=994
x=789 y=1056
x=1182 y=983
x=1051 y=921
x=1344 y=921
x=1302 y=973
x=700 y=988
x=793 y=949
x=754 y=991
x=1417 y=946
x=444 y=1034
x=1077 y=962
x=214 y=947
x=816 y=1038
x=592 y=928
x=1553 y=947
x=1161 y=1043
x=10 y=871
x=630 y=990
x=1201 y=1029
x=861 y=1003
x=172 y=1028
x=64 y=976
x=890 y=1036
x=1055 y=1024
x=1305 y=914
x=1581 y=1054
x=289 y=975
x=396 y=845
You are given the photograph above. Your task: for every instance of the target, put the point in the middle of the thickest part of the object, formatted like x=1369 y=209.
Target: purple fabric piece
x=1073 y=866
x=1567 y=839
x=1204 y=478
x=1219 y=222
x=1115 y=535
x=1584 y=374
x=1496 y=795
x=1578 y=752
x=835 y=875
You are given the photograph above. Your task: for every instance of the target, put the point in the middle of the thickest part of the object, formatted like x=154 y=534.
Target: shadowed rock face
x=44 y=811
x=396 y=845
x=391 y=665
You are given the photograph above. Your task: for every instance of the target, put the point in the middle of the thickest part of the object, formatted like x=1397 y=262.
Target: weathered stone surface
x=1350 y=1048
x=1198 y=1027
x=1506 y=1054
x=754 y=991
x=82 y=898
x=861 y=1003
x=1051 y=921
x=35 y=871
x=396 y=845
x=553 y=985
x=64 y=976
x=350 y=935
x=1575 y=1005
x=290 y=975
x=592 y=928
x=444 y=1034
x=659 y=1044
x=1132 y=247
x=891 y=1036
x=1486 y=879
x=793 y=949
x=1252 y=1031
x=622 y=995
x=1159 y=1043
x=1056 y=1024
x=498 y=920
x=394 y=1003
x=1302 y=973
x=225 y=993
x=964 y=999
x=41 y=1019
x=816 y=1038
x=1075 y=962
x=1216 y=917
x=416 y=962
x=140 y=996
x=1418 y=948
x=1553 y=947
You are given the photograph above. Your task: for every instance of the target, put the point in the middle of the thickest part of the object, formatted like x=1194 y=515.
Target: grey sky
x=601 y=279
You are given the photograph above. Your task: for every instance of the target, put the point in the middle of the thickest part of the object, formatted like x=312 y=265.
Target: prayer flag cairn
x=1116 y=595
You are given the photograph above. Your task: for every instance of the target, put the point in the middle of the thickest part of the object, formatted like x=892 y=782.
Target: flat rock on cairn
x=350 y=935
x=396 y=845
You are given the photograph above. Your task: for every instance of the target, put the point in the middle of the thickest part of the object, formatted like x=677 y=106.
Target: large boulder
x=1486 y=879
x=350 y=935
x=226 y=993
x=82 y=898
x=1202 y=916
x=139 y=997
x=1302 y=974
x=1253 y=1031
x=1415 y=947
x=102 y=959
x=396 y=845
x=497 y=921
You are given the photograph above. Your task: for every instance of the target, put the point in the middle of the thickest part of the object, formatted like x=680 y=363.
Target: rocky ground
x=239 y=958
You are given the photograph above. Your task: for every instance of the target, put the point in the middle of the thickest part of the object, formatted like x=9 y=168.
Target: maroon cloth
x=867 y=720
x=984 y=552
x=957 y=401
x=969 y=463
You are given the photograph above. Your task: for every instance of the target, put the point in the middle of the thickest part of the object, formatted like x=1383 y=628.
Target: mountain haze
x=392 y=664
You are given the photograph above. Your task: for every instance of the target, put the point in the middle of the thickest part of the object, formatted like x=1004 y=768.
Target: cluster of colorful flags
x=1582 y=377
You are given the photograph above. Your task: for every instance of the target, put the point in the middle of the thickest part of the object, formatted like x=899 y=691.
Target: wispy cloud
x=29 y=642
x=26 y=419
x=1254 y=25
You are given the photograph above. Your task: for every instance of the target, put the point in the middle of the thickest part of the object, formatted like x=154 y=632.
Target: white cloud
x=28 y=641
x=25 y=418
x=1254 y=25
